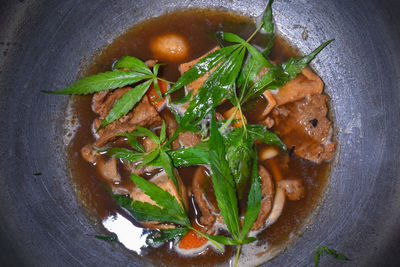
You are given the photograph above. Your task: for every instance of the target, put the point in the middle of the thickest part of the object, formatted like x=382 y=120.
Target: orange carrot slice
x=153 y=96
x=238 y=123
x=192 y=239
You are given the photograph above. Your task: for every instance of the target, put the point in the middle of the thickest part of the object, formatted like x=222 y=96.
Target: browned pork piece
x=196 y=84
x=189 y=139
x=306 y=118
x=143 y=114
x=107 y=168
x=306 y=83
x=164 y=182
x=184 y=139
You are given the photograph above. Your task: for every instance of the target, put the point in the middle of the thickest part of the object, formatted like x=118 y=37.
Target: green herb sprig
x=167 y=210
x=127 y=71
x=324 y=250
x=226 y=192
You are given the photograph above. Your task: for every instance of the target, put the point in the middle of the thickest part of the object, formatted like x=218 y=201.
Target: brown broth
x=198 y=27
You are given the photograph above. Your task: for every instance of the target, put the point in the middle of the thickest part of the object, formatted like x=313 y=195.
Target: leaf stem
x=229 y=121
x=161 y=79
x=177 y=132
x=255 y=32
x=237 y=256
x=203 y=235
x=242 y=118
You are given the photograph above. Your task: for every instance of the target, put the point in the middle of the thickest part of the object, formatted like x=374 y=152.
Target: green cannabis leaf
x=107 y=238
x=126 y=103
x=324 y=250
x=127 y=71
x=160 y=236
x=224 y=185
x=102 y=82
x=254 y=199
x=167 y=210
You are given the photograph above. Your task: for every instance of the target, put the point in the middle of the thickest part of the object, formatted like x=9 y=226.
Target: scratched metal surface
x=42 y=47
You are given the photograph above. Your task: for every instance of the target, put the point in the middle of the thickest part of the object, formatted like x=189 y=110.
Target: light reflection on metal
x=128 y=234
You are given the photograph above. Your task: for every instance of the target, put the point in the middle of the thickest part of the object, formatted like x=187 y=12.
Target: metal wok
x=42 y=47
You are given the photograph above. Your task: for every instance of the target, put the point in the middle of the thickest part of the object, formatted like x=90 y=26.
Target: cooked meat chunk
x=144 y=171
x=143 y=114
x=267 y=193
x=189 y=139
x=89 y=154
x=304 y=126
x=171 y=126
x=269 y=122
x=294 y=189
x=306 y=83
x=164 y=182
x=103 y=101
x=108 y=170
x=196 y=84
x=199 y=188
x=120 y=190
x=147 y=144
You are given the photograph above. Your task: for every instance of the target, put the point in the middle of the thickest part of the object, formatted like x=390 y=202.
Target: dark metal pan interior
x=43 y=45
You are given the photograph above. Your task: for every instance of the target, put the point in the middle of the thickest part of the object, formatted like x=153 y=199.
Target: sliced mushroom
x=89 y=154
x=279 y=202
x=200 y=180
x=294 y=189
x=268 y=153
x=267 y=193
x=108 y=170
x=271 y=103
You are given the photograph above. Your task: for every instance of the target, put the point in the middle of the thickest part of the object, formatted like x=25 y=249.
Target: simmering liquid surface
x=198 y=27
